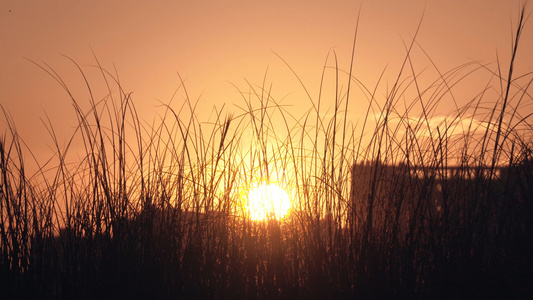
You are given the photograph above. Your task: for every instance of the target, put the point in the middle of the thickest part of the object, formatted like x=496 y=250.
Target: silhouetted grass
x=413 y=206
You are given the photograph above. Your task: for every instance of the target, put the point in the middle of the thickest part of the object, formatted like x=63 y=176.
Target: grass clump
x=411 y=206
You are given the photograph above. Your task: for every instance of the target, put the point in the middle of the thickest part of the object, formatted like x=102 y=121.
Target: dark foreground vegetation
x=407 y=209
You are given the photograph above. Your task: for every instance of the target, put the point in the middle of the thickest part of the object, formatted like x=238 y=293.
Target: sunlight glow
x=268 y=201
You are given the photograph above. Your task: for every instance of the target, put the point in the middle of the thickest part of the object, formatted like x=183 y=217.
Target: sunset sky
x=214 y=44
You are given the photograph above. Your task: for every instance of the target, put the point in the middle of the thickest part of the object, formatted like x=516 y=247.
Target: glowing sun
x=268 y=201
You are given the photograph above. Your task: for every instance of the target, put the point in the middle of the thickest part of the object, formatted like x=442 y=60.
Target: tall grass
x=412 y=206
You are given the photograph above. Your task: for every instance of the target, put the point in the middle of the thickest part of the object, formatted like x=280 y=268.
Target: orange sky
x=215 y=43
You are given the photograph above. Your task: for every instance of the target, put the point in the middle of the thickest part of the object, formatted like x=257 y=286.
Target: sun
x=268 y=201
